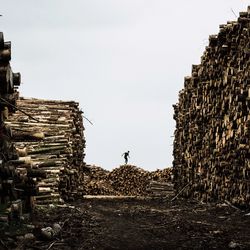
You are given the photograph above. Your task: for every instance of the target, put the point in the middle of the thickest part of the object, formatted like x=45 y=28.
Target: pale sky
x=124 y=61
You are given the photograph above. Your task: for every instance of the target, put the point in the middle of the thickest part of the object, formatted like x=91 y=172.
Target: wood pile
x=129 y=180
x=162 y=175
x=96 y=181
x=126 y=180
x=48 y=136
x=160 y=189
x=10 y=180
x=93 y=172
x=212 y=136
x=161 y=183
x=99 y=187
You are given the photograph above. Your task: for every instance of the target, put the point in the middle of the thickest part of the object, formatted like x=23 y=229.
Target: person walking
x=126 y=156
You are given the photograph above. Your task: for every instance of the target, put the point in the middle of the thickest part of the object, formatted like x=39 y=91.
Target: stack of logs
x=96 y=181
x=126 y=180
x=130 y=180
x=162 y=175
x=161 y=183
x=10 y=180
x=160 y=188
x=49 y=137
x=212 y=136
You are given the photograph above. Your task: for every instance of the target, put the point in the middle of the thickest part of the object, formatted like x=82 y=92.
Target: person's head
x=128 y=151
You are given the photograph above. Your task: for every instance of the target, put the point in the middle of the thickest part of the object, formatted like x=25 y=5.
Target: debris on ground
x=149 y=223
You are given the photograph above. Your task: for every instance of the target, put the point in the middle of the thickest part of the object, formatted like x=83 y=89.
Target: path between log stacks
x=143 y=224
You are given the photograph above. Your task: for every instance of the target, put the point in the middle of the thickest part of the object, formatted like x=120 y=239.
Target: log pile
x=162 y=175
x=13 y=186
x=160 y=189
x=161 y=183
x=49 y=136
x=212 y=136
x=129 y=180
x=126 y=180
x=96 y=181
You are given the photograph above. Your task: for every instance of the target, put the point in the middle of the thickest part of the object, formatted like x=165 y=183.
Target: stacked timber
x=126 y=180
x=94 y=172
x=162 y=175
x=96 y=181
x=160 y=189
x=48 y=136
x=129 y=180
x=161 y=183
x=15 y=189
x=212 y=136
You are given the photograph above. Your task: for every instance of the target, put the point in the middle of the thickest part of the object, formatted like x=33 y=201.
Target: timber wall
x=41 y=147
x=49 y=139
x=212 y=136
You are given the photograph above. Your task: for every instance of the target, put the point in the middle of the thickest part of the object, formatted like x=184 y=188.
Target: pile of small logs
x=48 y=136
x=126 y=180
x=161 y=183
x=212 y=136
x=162 y=175
x=99 y=187
x=93 y=172
x=96 y=181
x=129 y=180
x=160 y=189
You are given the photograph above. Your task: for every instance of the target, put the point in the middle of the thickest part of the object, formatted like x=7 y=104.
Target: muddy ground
x=139 y=224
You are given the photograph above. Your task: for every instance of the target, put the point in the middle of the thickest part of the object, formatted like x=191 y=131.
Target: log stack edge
x=211 y=144
x=10 y=197
x=50 y=143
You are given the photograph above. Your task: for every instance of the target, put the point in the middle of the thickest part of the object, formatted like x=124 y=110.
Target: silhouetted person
x=126 y=156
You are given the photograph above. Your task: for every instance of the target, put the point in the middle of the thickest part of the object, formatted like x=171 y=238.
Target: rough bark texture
x=211 y=145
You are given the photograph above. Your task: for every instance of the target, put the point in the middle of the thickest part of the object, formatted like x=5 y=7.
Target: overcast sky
x=124 y=61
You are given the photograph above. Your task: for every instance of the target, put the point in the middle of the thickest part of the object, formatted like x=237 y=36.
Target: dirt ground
x=141 y=224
